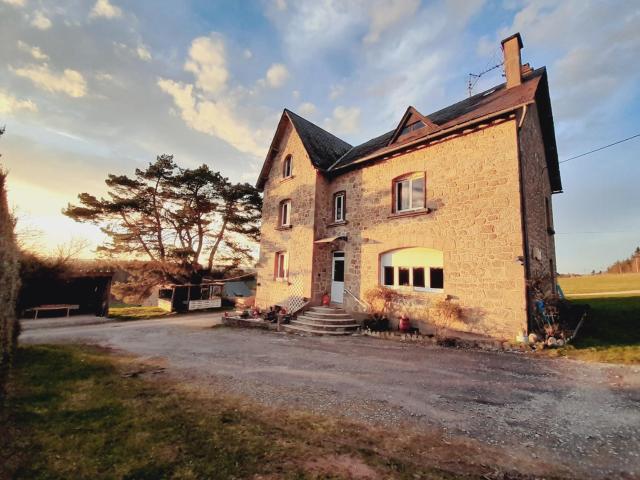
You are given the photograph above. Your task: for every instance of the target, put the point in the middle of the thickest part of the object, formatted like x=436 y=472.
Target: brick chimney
x=511 y=47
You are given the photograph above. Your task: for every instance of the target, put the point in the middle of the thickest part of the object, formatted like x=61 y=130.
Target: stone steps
x=323 y=321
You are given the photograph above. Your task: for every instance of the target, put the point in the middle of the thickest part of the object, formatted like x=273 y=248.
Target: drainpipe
x=523 y=220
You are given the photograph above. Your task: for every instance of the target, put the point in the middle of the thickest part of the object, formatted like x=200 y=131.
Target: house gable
x=322 y=147
x=412 y=125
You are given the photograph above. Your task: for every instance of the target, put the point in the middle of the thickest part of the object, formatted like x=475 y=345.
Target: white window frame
x=285 y=213
x=339 y=197
x=287 y=167
x=282 y=266
x=409 y=182
x=425 y=265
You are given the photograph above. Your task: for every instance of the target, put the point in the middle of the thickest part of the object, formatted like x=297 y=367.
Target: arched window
x=415 y=268
x=409 y=192
x=287 y=167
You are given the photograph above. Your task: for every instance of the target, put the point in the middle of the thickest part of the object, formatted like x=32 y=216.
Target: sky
x=92 y=87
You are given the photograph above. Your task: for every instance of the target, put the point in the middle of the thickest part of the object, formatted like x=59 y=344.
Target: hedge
x=9 y=283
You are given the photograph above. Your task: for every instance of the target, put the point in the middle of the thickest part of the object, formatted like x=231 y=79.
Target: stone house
x=452 y=205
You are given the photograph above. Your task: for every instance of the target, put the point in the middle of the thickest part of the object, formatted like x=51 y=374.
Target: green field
x=611 y=332
x=605 y=282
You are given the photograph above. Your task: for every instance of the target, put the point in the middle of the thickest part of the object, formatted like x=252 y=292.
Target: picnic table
x=62 y=306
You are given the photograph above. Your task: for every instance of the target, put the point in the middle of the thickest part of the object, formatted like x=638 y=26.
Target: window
x=409 y=193
x=287 y=167
x=437 y=278
x=414 y=126
x=389 y=278
x=339 y=207
x=282 y=265
x=547 y=211
x=418 y=277
x=285 y=213
x=416 y=268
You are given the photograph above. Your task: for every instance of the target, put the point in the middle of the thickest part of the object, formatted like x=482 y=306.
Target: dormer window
x=412 y=127
x=284 y=217
x=409 y=192
x=287 y=167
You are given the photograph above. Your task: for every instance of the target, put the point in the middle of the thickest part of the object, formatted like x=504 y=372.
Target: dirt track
x=573 y=416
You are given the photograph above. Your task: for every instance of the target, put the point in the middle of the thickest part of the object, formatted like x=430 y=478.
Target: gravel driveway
x=583 y=417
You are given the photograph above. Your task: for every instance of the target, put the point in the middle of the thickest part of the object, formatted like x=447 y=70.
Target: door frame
x=333 y=270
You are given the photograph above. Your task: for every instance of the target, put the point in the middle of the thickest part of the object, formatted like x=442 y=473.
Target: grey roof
x=323 y=147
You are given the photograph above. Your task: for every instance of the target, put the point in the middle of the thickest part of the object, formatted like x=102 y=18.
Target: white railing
x=360 y=302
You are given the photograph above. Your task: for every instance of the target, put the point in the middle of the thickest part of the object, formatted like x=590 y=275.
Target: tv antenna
x=475 y=77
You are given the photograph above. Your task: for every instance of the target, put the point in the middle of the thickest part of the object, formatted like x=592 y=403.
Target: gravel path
x=583 y=418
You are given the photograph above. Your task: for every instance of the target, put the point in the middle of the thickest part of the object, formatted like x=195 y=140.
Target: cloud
x=214 y=117
x=307 y=109
x=70 y=82
x=387 y=13
x=280 y=4
x=10 y=104
x=15 y=3
x=40 y=21
x=277 y=75
x=143 y=52
x=345 y=120
x=336 y=91
x=207 y=61
x=104 y=9
x=35 y=52
x=597 y=47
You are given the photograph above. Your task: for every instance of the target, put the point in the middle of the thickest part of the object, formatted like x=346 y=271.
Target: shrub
x=9 y=284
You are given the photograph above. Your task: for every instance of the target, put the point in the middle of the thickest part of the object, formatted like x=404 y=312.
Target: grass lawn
x=136 y=313
x=606 y=282
x=610 y=334
x=75 y=412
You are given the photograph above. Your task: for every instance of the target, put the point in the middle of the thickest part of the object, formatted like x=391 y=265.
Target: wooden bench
x=39 y=308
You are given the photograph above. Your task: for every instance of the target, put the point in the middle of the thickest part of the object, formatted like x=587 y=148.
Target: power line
x=601 y=148
x=596 y=233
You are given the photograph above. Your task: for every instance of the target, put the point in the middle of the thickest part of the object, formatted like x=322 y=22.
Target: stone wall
x=475 y=218
x=474 y=191
x=536 y=187
x=298 y=240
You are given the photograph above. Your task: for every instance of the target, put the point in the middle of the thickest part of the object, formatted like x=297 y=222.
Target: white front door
x=337 y=277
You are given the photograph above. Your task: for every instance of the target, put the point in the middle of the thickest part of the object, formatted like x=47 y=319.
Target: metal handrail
x=360 y=302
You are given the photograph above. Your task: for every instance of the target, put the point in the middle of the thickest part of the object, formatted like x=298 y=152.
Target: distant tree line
x=629 y=265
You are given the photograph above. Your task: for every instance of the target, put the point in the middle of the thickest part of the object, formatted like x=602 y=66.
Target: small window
x=205 y=293
x=418 y=277
x=282 y=265
x=339 y=207
x=389 y=280
x=412 y=127
x=547 y=210
x=409 y=193
x=403 y=277
x=285 y=213
x=437 y=278
x=287 y=167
